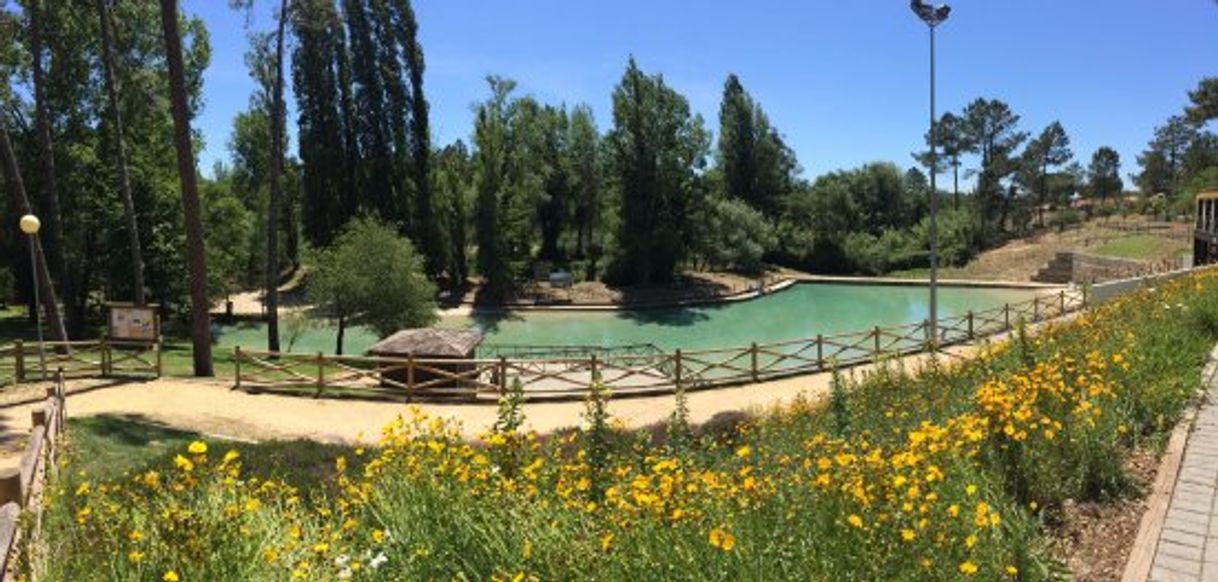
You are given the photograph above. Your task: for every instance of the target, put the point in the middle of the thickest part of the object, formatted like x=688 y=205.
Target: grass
x=1142 y=247
x=107 y=447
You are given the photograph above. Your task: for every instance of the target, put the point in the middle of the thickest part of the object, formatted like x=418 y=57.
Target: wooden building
x=435 y=345
x=1205 y=238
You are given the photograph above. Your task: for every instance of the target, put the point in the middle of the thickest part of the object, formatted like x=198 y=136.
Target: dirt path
x=212 y=407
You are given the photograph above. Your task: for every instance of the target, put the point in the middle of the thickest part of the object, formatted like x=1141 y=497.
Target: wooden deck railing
x=21 y=488
x=624 y=373
x=104 y=358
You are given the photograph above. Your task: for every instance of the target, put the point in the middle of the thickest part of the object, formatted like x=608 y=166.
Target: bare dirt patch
x=1094 y=538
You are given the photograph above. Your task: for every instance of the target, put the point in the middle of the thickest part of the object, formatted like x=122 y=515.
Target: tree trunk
x=956 y=183
x=50 y=302
x=342 y=328
x=120 y=148
x=200 y=318
x=51 y=215
x=273 y=211
x=1040 y=199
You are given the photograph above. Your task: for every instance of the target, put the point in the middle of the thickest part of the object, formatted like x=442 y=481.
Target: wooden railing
x=104 y=358
x=21 y=488
x=623 y=373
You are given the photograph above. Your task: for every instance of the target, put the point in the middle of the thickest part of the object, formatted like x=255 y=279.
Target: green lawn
x=1142 y=247
x=107 y=447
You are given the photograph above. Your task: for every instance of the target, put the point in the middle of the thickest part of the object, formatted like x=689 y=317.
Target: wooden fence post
x=503 y=373
x=753 y=353
x=820 y=352
x=595 y=373
x=410 y=382
x=321 y=373
x=1036 y=309
x=1062 y=295
x=1006 y=316
x=970 y=325
x=20 y=365
x=160 y=363
x=105 y=357
x=237 y=362
x=876 y=332
x=38 y=417
x=677 y=364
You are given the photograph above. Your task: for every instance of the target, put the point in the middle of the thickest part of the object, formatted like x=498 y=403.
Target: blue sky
x=845 y=82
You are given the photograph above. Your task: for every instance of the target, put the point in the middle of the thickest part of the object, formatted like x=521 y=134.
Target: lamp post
x=30 y=225
x=933 y=16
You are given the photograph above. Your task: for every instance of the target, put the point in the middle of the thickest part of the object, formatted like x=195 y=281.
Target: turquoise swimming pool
x=802 y=311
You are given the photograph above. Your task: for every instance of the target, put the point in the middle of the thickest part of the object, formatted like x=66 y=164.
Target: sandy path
x=212 y=407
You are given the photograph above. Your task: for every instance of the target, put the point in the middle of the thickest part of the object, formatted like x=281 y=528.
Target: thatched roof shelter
x=429 y=342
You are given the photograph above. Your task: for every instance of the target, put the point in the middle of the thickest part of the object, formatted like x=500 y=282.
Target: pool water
x=802 y=311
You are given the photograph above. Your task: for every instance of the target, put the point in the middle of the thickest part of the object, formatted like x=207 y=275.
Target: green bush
x=729 y=234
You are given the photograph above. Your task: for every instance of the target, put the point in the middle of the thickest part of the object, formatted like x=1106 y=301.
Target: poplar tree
x=758 y=168
x=657 y=148
x=322 y=120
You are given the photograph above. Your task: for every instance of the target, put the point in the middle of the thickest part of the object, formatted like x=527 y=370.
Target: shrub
x=729 y=234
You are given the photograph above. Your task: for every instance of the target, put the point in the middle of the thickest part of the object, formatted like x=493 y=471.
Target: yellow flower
x=1012 y=571
x=197 y=448
x=971 y=489
x=968 y=568
x=606 y=542
x=743 y=452
x=183 y=463
x=170 y=576
x=135 y=535
x=151 y=479
x=855 y=520
x=720 y=538
x=908 y=535
x=135 y=557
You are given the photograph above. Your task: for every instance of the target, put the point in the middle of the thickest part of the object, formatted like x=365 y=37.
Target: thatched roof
x=428 y=341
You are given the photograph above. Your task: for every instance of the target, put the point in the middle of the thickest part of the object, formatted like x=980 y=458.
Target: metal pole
x=934 y=204
x=42 y=352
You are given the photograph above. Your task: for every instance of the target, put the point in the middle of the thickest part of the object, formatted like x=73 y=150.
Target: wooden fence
x=623 y=373
x=105 y=358
x=21 y=488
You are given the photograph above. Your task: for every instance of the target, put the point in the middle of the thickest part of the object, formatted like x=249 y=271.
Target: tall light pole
x=30 y=225
x=933 y=16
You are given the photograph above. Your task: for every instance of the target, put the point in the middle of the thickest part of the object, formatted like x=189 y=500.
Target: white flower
x=345 y=574
x=378 y=561
x=341 y=560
